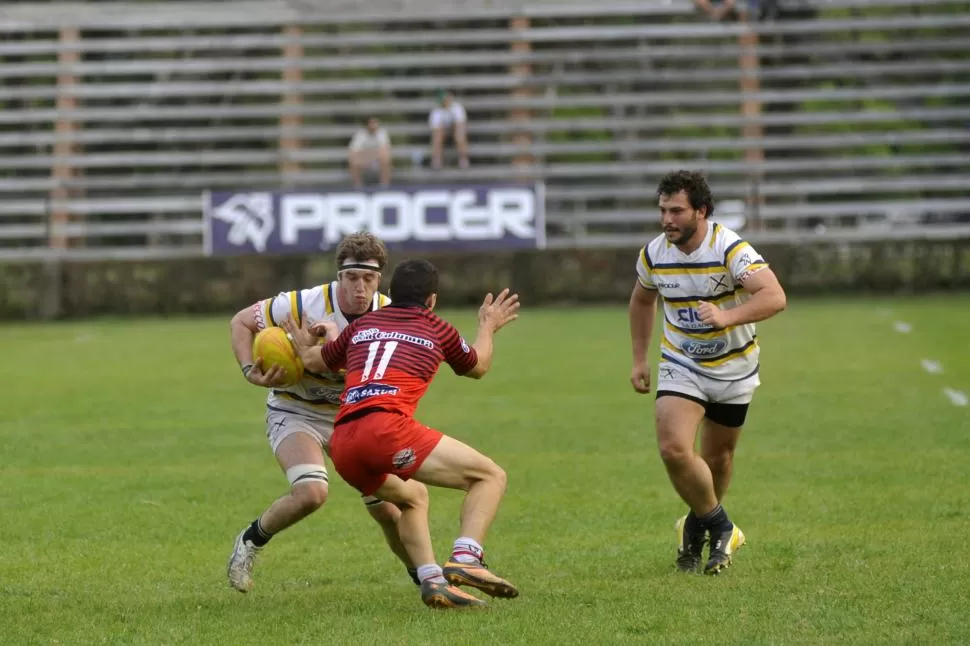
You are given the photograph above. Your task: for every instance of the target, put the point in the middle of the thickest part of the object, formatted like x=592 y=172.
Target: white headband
x=353 y=263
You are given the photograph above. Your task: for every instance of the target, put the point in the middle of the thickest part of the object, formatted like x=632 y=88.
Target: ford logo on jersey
x=703 y=348
x=366 y=391
x=324 y=395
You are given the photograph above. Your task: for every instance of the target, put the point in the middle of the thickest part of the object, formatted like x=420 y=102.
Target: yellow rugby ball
x=274 y=348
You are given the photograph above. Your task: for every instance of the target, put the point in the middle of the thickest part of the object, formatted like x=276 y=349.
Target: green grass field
x=133 y=452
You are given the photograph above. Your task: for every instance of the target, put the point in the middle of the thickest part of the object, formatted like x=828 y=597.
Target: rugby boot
x=723 y=546
x=241 y=562
x=477 y=575
x=690 y=547
x=442 y=595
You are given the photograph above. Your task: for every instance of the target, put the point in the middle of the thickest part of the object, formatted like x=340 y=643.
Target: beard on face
x=680 y=235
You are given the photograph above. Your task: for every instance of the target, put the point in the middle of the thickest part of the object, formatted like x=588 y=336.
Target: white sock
x=431 y=572
x=467 y=550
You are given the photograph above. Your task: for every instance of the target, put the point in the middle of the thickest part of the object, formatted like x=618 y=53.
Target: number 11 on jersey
x=372 y=349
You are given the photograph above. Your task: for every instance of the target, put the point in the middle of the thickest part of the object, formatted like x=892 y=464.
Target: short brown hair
x=694 y=184
x=361 y=246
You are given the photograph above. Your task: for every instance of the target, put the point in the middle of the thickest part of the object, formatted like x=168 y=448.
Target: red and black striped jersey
x=391 y=356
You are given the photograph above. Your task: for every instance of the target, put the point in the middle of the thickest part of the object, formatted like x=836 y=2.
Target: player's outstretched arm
x=494 y=314
x=643 y=313
x=243 y=328
x=767 y=299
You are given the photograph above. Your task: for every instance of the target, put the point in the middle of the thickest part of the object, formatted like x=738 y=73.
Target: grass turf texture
x=133 y=452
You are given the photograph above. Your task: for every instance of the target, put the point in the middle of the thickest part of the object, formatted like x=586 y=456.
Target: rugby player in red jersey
x=391 y=356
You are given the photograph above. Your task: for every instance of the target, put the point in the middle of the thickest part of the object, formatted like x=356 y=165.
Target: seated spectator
x=743 y=10
x=448 y=117
x=370 y=154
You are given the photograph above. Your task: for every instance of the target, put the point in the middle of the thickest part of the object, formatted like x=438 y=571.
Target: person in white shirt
x=714 y=287
x=370 y=152
x=448 y=117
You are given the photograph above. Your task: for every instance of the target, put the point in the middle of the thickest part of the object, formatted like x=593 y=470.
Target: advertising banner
x=413 y=218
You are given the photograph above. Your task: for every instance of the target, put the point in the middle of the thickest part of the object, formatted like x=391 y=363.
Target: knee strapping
x=307 y=473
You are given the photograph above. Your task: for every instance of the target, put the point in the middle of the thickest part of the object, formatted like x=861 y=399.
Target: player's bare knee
x=499 y=476
x=310 y=496
x=307 y=474
x=411 y=495
x=486 y=471
x=674 y=454
x=418 y=494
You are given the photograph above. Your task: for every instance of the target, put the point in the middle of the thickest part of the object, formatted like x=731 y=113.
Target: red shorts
x=365 y=450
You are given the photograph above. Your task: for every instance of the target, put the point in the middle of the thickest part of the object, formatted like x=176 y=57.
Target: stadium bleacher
x=114 y=122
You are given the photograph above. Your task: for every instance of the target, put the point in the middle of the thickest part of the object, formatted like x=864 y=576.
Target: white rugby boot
x=241 y=562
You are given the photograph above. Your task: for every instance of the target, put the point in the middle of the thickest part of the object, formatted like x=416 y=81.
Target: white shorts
x=676 y=378
x=281 y=425
x=447 y=117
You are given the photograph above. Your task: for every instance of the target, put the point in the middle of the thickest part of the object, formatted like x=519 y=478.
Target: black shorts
x=732 y=415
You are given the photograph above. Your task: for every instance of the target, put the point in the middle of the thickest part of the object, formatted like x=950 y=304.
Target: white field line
x=902 y=327
x=956 y=397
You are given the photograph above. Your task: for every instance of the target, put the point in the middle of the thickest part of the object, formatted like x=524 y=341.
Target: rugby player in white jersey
x=299 y=418
x=714 y=286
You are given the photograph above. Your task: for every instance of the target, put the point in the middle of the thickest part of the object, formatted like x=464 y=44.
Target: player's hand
x=300 y=336
x=640 y=377
x=325 y=330
x=272 y=378
x=499 y=311
x=712 y=315
x=305 y=344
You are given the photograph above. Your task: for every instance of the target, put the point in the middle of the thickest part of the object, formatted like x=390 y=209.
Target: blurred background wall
x=835 y=133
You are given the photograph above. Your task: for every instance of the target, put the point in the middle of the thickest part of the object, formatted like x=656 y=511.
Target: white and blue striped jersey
x=714 y=273
x=316 y=395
